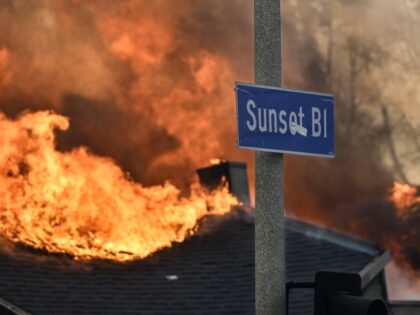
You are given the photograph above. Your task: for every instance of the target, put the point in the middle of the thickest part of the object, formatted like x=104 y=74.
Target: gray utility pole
x=270 y=263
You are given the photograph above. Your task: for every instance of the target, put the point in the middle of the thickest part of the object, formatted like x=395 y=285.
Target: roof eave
x=6 y=305
x=374 y=267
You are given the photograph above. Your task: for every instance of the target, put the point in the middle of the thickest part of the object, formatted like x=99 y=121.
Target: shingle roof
x=214 y=271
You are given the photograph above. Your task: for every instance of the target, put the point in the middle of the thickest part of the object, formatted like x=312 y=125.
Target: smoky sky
x=142 y=82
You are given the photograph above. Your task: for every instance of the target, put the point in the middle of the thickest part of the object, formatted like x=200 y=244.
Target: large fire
x=84 y=205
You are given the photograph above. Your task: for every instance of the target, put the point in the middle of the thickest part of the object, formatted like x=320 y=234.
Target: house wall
x=377 y=288
x=405 y=308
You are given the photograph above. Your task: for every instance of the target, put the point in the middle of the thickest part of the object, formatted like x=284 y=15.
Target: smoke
x=148 y=83
x=330 y=50
x=402 y=286
x=322 y=189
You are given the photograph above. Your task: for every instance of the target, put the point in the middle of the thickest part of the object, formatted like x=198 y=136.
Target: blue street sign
x=280 y=120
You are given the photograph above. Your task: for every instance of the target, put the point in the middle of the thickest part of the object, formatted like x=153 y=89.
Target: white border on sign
x=280 y=151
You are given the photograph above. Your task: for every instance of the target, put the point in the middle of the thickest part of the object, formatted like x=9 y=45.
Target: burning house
x=211 y=272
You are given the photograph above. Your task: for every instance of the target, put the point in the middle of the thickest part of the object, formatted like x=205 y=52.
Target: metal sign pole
x=270 y=264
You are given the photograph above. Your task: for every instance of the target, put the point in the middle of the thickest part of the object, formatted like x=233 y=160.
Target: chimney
x=235 y=174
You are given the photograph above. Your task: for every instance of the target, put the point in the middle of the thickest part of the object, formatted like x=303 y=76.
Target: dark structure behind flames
x=235 y=175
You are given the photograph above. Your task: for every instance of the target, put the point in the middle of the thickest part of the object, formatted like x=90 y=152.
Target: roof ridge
x=332 y=236
x=12 y=308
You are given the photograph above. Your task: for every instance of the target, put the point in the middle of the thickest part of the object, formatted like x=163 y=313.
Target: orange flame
x=405 y=198
x=215 y=161
x=78 y=203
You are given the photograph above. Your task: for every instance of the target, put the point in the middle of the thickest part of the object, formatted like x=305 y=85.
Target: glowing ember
x=405 y=198
x=85 y=205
